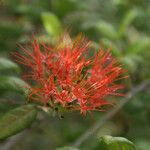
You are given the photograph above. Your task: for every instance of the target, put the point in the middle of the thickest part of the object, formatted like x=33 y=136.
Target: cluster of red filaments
x=66 y=77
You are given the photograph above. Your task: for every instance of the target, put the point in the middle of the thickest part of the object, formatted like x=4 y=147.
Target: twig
x=12 y=141
x=110 y=114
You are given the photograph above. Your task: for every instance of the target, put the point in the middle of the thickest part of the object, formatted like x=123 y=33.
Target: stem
x=110 y=114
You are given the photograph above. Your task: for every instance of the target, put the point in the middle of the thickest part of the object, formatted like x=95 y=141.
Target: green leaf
x=13 y=84
x=131 y=61
x=51 y=23
x=108 y=43
x=6 y=106
x=16 y=120
x=9 y=33
x=9 y=30
x=67 y=148
x=106 y=29
x=115 y=143
x=129 y=17
x=139 y=46
x=6 y=64
x=143 y=144
x=63 y=7
x=29 y=10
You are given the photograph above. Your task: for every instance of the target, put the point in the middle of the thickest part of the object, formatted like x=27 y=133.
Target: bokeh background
x=122 y=25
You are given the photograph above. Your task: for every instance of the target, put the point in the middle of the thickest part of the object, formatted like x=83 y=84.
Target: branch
x=12 y=141
x=110 y=114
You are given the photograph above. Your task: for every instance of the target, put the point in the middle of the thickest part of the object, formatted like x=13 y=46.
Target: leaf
x=63 y=7
x=129 y=17
x=9 y=30
x=131 y=61
x=13 y=84
x=51 y=23
x=16 y=120
x=67 y=148
x=116 y=143
x=108 y=43
x=29 y=10
x=143 y=144
x=6 y=106
x=9 y=33
x=6 y=64
x=139 y=46
x=106 y=29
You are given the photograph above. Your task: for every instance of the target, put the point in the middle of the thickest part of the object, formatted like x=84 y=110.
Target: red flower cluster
x=65 y=76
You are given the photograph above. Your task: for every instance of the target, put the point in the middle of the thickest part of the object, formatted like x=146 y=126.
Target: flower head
x=64 y=75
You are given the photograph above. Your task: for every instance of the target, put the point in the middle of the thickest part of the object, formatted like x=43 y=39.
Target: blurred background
x=122 y=25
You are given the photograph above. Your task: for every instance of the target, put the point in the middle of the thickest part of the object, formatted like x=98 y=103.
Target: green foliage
x=120 y=25
x=16 y=120
x=127 y=20
x=6 y=64
x=106 y=29
x=67 y=148
x=30 y=11
x=143 y=144
x=9 y=32
x=116 y=143
x=6 y=106
x=13 y=84
x=63 y=7
x=138 y=46
x=51 y=23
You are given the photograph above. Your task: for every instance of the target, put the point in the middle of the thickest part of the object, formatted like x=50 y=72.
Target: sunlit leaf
x=51 y=23
x=116 y=143
x=16 y=120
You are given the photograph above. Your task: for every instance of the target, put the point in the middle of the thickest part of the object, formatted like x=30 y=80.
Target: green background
x=122 y=25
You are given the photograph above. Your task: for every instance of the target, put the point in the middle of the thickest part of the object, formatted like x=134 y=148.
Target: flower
x=65 y=77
